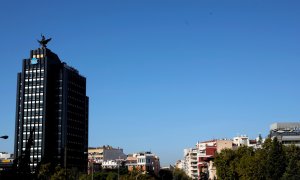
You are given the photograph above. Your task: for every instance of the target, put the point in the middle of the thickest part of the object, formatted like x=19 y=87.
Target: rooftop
x=285 y=126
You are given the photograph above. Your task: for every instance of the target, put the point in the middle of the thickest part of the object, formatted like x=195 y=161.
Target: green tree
x=145 y=177
x=252 y=165
x=259 y=164
x=62 y=174
x=244 y=167
x=165 y=174
x=84 y=176
x=100 y=175
x=293 y=163
x=260 y=139
x=293 y=170
x=45 y=171
x=292 y=151
x=179 y=174
x=123 y=169
x=226 y=164
x=267 y=144
x=275 y=165
x=59 y=174
x=112 y=176
x=272 y=162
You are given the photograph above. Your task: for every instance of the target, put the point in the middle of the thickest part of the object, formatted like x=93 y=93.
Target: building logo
x=34 y=61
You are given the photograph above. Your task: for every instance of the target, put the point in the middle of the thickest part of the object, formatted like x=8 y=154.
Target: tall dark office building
x=51 y=112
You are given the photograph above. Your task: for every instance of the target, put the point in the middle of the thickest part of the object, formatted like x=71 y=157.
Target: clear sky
x=163 y=74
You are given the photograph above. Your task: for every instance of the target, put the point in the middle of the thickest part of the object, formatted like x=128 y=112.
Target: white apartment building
x=190 y=162
x=105 y=153
x=111 y=164
x=105 y=157
x=5 y=155
x=241 y=140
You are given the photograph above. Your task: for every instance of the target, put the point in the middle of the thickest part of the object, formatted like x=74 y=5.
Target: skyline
x=163 y=75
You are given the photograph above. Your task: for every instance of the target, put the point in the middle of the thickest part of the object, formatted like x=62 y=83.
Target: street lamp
x=118 y=164
x=4 y=137
x=92 y=161
x=93 y=168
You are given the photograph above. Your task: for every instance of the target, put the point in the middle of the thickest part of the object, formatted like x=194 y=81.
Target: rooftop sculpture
x=43 y=42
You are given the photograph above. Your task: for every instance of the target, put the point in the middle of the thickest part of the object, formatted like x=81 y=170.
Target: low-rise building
x=104 y=157
x=170 y=168
x=5 y=155
x=6 y=161
x=145 y=162
x=243 y=140
x=112 y=164
x=131 y=162
x=105 y=153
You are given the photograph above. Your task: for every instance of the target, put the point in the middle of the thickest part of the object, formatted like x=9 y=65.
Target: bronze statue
x=43 y=42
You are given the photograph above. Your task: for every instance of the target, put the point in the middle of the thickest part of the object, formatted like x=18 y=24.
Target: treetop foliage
x=272 y=162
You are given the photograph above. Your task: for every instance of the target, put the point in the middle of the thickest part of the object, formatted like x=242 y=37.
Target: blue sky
x=162 y=74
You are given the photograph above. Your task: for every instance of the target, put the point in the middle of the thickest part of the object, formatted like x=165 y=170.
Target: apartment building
x=198 y=162
x=190 y=162
x=105 y=157
x=206 y=154
x=243 y=140
x=145 y=162
x=105 y=153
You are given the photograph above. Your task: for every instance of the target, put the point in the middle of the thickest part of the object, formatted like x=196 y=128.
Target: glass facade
x=52 y=107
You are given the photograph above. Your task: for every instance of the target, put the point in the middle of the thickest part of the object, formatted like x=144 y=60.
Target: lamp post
x=118 y=169
x=92 y=169
x=4 y=137
x=86 y=154
x=118 y=165
x=93 y=157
